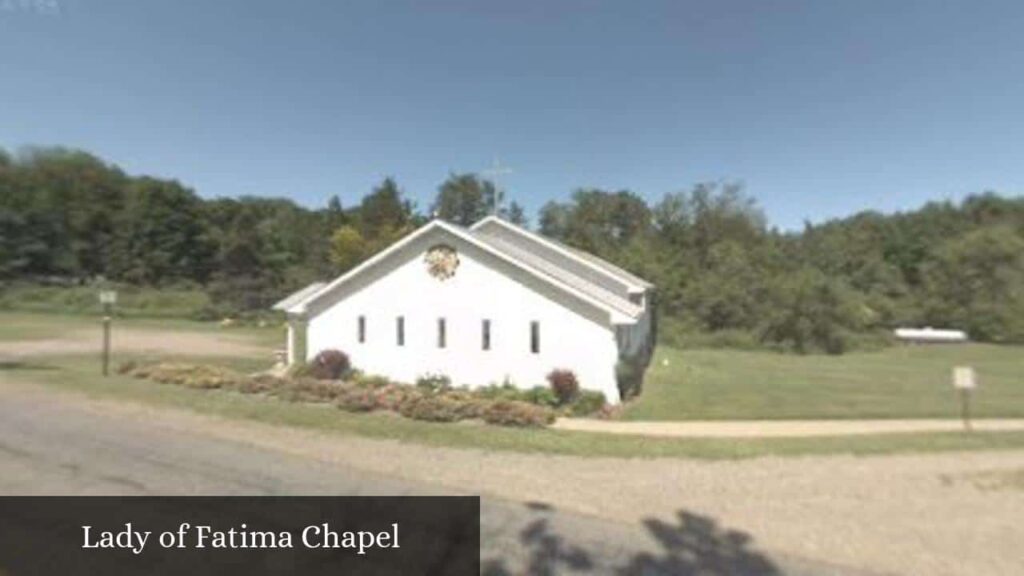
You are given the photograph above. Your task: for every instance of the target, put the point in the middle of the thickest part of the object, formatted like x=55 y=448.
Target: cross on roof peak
x=492 y=173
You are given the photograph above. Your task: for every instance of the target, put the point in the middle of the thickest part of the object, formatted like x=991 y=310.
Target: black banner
x=218 y=535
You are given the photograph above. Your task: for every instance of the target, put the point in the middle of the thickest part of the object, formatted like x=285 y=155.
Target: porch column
x=296 y=339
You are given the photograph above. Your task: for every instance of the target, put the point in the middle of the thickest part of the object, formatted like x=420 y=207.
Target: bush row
x=563 y=392
x=358 y=394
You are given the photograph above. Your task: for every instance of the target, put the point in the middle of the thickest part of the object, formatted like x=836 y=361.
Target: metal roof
x=525 y=255
x=561 y=274
x=532 y=241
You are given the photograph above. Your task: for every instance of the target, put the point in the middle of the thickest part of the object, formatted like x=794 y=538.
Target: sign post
x=965 y=381
x=107 y=298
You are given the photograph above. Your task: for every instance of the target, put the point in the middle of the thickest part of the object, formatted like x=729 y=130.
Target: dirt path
x=779 y=428
x=955 y=513
x=136 y=340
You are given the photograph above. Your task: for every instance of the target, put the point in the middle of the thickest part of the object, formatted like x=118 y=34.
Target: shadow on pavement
x=693 y=545
x=22 y=365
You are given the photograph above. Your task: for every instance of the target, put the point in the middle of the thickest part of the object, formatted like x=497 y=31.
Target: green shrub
x=310 y=390
x=433 y=408
x=539 y=395
x=188 y=375
x=564 y=384
x=588 y=403
x=521 y=414
x=504 y=391
x=369 y=381
x=260 y=384
x=434 y=383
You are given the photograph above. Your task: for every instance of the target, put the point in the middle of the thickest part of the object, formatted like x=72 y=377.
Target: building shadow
x=692 y=545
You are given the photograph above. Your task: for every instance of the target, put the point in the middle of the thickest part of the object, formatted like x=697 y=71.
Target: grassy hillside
x=133 y=301
x=27 y=326
x=898 y=382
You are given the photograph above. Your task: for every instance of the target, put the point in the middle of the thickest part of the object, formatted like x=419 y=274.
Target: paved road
x=49 y=445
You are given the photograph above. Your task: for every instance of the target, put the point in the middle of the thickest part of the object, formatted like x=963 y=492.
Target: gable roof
x=620 y=309
x=533 y=241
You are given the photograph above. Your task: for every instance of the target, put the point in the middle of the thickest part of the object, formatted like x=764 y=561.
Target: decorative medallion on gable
x=441 y=261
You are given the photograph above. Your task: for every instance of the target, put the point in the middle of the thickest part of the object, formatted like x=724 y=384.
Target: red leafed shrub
x=330 y=365
x=513 y=413
x=564 y=385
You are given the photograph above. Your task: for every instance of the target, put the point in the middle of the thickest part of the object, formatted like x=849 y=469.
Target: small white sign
x=964 y=378
x=108 y=297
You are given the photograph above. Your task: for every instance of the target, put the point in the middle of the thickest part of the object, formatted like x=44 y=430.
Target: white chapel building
x=489 y=304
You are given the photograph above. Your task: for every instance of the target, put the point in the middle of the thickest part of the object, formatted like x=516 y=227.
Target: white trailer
x=929 y=335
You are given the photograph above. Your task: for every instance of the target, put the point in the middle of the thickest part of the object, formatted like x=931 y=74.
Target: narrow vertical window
x=442 y=336
x=485 y=335
x=535 y=337
x=400 y=330
x=362 y=329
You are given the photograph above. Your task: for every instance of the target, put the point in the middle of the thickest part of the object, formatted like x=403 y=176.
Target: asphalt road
x=51 y=446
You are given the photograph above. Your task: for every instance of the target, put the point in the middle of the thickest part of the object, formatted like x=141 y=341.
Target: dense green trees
x=466 y=198
x=977 y=281
x=722 y=274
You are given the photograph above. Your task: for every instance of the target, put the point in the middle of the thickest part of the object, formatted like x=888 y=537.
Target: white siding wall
x=476 y=292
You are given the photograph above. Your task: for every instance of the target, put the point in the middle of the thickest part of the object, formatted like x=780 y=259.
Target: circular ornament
x=441 y=261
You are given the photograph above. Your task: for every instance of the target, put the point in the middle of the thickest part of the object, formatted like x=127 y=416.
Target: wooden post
x=965 y=407
x=107 y=298
x=106 y=339
x=965 y=381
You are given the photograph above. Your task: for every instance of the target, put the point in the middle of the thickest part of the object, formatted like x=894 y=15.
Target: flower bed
x=503 y=406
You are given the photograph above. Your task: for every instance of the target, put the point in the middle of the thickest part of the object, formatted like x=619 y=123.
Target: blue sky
x=821 y=108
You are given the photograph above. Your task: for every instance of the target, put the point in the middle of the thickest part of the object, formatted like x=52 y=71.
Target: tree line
x=723 y=275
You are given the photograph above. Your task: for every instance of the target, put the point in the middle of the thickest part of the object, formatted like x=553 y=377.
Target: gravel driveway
x=923 y=514
x=949 y=513
x=54 y=443
x=137 y=340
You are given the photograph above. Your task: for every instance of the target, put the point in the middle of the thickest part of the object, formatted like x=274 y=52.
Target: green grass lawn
x=898 y=382
x=697 y=384
x=41 y=326
x=26 y=326
x=80 y=375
